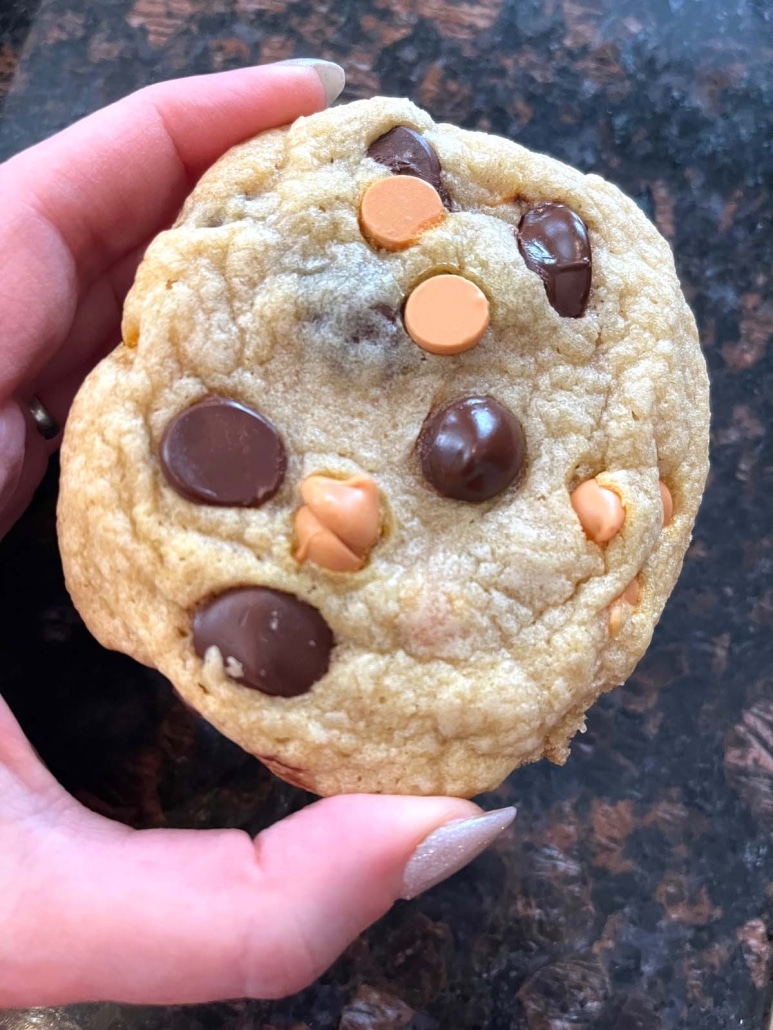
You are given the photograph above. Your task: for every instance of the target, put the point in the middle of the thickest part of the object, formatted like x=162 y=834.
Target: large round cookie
x=380 y=476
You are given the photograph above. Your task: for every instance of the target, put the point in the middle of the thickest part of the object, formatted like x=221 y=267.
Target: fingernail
x=449 y=848
x=332 y=75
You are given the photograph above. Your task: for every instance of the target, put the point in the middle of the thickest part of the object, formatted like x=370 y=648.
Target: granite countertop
x=637 y=892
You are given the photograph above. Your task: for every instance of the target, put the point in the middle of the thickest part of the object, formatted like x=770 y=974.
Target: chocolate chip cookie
x=399 y=458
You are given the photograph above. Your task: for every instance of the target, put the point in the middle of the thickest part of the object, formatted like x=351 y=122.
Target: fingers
x=26 y=786
x=12 y=433
x=95 y=332
x=177 y=916
x=80 y=208
x=24 y=456
x=96 y=328
x=78 y=202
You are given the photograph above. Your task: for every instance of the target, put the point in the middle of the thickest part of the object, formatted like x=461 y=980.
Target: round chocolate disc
x=282 y=644
x=472 y=449
x=405 y=152
x=220 y=452
x=554 y=243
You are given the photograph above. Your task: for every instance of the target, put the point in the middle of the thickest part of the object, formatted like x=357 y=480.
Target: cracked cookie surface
x=391 y=482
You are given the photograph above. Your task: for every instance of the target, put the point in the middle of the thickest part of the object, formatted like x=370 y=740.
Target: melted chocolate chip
x=219 y=452
x=405 y=152
x=472 y=449
x=282 y=644
x=554 y=243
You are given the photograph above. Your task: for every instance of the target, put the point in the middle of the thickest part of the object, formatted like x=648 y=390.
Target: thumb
x=179 y=916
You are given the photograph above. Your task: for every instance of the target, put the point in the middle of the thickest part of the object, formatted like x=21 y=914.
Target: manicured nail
x=332 y=75
x=449 y=848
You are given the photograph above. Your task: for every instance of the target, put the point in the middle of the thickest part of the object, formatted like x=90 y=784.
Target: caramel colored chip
x=446 y=314
x=668 y=503
x=339 y=523
x=599 y=510
x=319 y=545
x=618 y=608
x=395 y=212
x=631 y=593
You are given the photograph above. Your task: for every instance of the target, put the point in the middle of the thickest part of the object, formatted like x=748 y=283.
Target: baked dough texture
x=476 y=635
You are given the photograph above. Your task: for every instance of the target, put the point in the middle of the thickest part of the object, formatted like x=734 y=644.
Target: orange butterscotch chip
x=446 y=314
x=631 y=593
x=599 y=510
x=395 y=212
x=317 y=544
x=668 y=503
x=618 y=610
x=339 y=523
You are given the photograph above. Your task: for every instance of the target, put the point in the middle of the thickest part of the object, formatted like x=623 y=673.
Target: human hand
x=90 y=909
x=78 y=213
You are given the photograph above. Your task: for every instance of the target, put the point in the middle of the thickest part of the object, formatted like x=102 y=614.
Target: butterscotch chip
x=395 y=212
x=373 y=573
x=621 y=606
x=632 y=592
x=599 y=510
x=317 y=543
x=339 y=524
x=446 y=314
x=668 y=503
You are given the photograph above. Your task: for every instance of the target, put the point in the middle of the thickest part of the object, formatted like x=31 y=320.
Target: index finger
x=77 y=202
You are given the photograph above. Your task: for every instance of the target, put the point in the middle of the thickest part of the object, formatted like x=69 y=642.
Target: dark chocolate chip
x=472 y=449
x=554 y=243
x=282 y=644
x=219 y=452
x=405 y=152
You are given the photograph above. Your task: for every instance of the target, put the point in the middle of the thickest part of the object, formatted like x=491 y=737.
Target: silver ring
x=45 y=422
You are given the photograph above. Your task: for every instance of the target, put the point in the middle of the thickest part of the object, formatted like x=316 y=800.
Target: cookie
x=399 y=458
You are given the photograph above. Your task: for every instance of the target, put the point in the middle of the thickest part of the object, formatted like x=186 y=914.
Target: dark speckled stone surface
x=637 y=892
